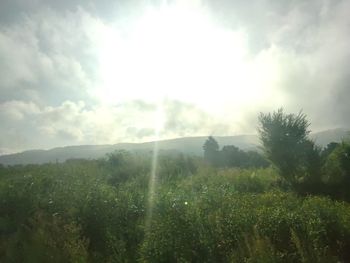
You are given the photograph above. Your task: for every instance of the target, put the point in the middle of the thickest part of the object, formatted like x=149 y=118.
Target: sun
x=175 y=52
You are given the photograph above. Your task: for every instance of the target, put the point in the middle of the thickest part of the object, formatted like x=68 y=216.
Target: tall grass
x=94 y=211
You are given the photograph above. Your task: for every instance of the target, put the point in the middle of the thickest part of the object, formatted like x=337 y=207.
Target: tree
x=286 y=144
x=211 y=150
x=310 y=173
x=232 y=156
x=337 y=171
x=337 y=165
x=329 y=149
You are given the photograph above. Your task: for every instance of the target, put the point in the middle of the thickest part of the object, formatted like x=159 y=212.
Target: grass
x=95 y=211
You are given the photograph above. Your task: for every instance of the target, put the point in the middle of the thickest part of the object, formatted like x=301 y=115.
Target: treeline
x=303 y=166
x=232 y=156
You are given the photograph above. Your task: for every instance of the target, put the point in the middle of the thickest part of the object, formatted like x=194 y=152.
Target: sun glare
x=174 y=52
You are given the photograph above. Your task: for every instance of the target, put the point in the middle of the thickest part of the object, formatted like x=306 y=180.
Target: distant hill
x=335 y=135
x=186 y=145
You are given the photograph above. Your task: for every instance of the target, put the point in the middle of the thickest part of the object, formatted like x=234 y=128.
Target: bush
x=286 y=145
x=337 y=171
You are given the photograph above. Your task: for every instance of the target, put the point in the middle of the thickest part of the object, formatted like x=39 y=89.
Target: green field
x=101 y=211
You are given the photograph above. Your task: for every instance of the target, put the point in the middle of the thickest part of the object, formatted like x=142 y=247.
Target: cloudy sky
x=101 y=72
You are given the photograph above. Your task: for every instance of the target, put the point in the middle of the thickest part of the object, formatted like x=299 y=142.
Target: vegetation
x=232 y=156
x=294 y=210
x=286 y=144
x=211 y=150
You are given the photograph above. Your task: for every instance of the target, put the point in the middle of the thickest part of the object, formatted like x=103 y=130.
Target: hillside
x=186 y=145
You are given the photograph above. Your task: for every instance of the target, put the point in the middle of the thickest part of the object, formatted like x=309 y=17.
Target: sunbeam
x=159 y=123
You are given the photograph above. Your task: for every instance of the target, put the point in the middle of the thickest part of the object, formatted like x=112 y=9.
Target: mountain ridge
x=187 y=145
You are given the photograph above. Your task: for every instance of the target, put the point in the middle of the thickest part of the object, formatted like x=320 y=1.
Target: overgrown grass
x=95 y=211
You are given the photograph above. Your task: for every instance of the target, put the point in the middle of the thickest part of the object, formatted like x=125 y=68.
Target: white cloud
x=16 y=110
x=295 y=54
x=77 y=123
x=47 y=55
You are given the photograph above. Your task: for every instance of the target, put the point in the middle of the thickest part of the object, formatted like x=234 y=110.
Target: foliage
x=232 y=156
x=96 y=211
x=44 y=238
x=211 y=149
x=174 y=167
x=121 y=165
x=329 y=149
x=217 y=226
x=337 y=171
x=286 y=145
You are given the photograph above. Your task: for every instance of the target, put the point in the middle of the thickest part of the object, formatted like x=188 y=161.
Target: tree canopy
x=286 y=144
x=211 y=149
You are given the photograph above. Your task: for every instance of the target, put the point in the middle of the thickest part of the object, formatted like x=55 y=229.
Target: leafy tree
x=337 y=165
x=286 y=144
x=337 y=171
x=211 y=150
x=312 y=162
x=232 y=156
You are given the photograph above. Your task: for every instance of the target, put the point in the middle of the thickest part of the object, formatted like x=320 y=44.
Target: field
x=108 y=211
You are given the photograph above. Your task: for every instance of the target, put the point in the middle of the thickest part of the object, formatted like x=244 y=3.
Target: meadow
x=102 y=211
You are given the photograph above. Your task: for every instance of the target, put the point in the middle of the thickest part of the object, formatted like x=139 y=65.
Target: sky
x=103 y=72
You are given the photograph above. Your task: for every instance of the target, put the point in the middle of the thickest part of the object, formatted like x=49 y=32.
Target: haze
x=101 y=72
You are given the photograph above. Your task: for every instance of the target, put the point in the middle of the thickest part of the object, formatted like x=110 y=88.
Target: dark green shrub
x=337 y=171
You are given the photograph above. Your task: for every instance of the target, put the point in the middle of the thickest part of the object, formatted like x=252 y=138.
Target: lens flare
x=159 y=123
